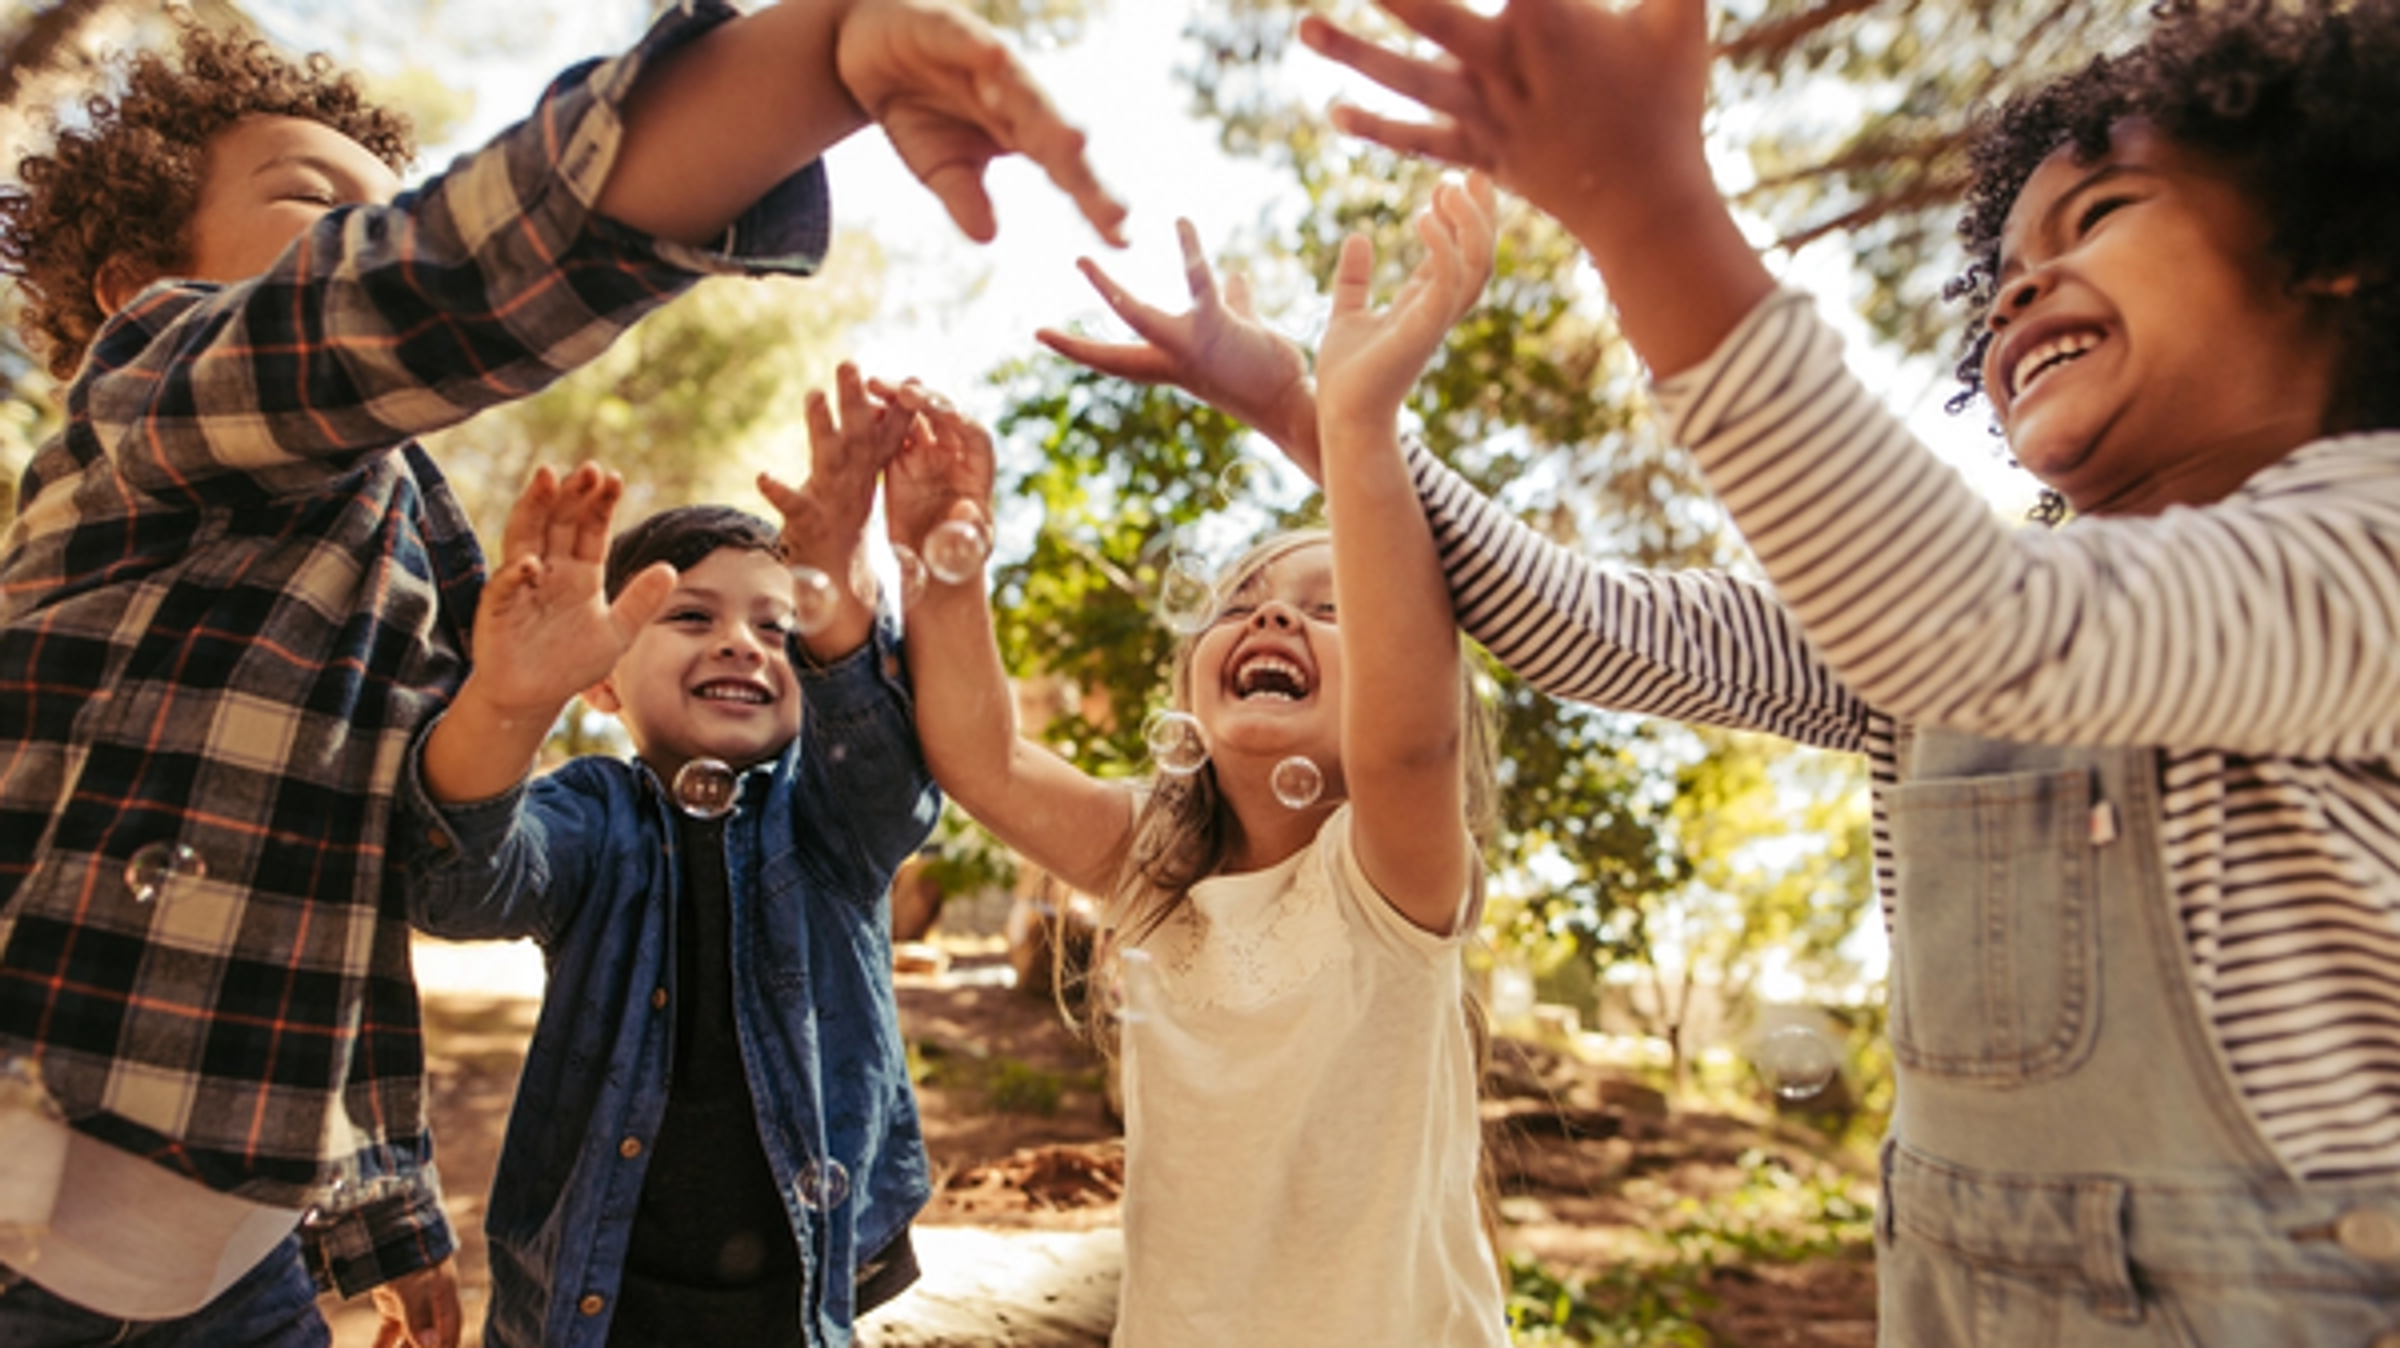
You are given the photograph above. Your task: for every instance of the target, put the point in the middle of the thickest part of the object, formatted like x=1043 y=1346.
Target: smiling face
x=711 y=675
x=2147 y=349
x=1266 y=676
x=269 y=178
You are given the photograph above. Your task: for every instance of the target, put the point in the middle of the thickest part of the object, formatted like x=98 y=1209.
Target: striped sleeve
x=2266 y=624
x=1704 y=647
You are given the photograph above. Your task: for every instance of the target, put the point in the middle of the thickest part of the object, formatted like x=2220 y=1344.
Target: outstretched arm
x=743 y=107
x=825 y=517
x=1591 y=111
x=544 y=631
x=1400 y=642
x=1070 y=824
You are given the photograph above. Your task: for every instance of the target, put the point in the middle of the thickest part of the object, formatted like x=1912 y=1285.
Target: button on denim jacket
x=584 y=861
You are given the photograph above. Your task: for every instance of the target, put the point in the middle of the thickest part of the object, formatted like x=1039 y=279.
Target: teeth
x=733 y=692
x=2057 y=351
x=1290 y=683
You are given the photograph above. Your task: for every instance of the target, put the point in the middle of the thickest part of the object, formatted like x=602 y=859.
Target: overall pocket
x=1995 y=941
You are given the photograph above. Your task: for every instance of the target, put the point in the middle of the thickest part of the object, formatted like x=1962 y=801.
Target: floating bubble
x=815 y=600
x=822 y=1184
x=33 y=1159
x=956 y=550
x=1797 y=1061
x=1297 y=782
x=1242 y=478
x=911 y=570
x=1132 y=987
x=1176 y=742
x=1187 y=599
x=706 y=788
x=155 y=866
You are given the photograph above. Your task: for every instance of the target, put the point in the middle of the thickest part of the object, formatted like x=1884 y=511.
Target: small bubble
x=1297 y=782
x=1241 y=478
x=956 y=550
x=815 y=600
x=706 y=788
x=154 y=866
x=1187 y=600
x=911 y=570
x=1797 y=1061
x=1131 y=987
x=822 y=1184
x=1176 y=742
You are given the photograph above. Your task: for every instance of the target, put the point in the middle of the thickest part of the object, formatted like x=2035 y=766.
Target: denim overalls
x=2069 y=1162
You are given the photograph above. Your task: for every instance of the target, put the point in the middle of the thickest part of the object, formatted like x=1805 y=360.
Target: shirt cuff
x=403 y=1230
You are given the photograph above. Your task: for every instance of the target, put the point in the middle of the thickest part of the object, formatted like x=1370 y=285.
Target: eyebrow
x=2100 y=175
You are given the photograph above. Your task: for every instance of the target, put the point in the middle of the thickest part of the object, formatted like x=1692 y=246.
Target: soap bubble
x=911 y=570
x=155 y=866
x=1297 y=782
x=1132 y=987
x=706 y=788
x=815 y=600
x=822 y=1184
x=956 y=550
x=1797 y=1061
x=1187 y=598
x=1176 y=742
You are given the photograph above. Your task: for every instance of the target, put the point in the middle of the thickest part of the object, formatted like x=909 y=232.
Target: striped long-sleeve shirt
x=236 y=590
x=2255 y=643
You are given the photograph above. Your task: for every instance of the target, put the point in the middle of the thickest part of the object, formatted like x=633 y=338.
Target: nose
x=741 y=643
x=2016 y=297
x=1275 y=616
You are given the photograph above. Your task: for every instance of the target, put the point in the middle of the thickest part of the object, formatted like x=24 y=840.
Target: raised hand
x=945 y=471
x=1592 y=111
x=952 y=98
x=1218 y=351
x=544 y=629
x=1371 y=357
x=420 y=1309
x=825 y=517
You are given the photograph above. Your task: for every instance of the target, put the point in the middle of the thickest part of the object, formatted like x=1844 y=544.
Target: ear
x=118 y=281
x=602 y=697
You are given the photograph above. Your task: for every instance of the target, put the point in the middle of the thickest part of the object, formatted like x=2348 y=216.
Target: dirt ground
x=1020 y=1242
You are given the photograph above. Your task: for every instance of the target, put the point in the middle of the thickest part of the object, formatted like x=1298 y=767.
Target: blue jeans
x=273 y=1306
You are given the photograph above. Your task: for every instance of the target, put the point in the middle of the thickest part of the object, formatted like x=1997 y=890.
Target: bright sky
x=954 y=311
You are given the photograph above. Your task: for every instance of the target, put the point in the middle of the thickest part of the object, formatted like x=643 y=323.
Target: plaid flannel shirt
x=235 y=591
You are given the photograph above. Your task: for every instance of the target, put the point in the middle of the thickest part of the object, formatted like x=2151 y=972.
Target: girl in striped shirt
x=2137 y=809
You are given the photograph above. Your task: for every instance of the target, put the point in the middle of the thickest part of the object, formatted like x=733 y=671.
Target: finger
x=1445 y=142
x=1120 y=360
x=1353 y=275
x=441 y=1328
x=1440 y=85
x=641 y=599
x=563 y=526
x=822 y=433
x=1451 y=26
x=1151 y=325
x=1196 y=273
x=594 y=519
x=522 y=534
x=1025 y=121
x=857 y=414
x=1237 y=294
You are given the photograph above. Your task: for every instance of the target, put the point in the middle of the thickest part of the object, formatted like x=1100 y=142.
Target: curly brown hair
x=126 y=183
x=2294 y=98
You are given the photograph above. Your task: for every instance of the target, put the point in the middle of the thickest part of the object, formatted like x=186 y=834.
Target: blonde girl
x=1301 y=1134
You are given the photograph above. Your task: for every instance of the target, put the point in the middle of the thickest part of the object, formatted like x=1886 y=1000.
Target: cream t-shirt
x=1301 y=1127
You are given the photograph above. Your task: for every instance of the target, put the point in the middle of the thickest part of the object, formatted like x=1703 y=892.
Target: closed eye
x=2097 y=210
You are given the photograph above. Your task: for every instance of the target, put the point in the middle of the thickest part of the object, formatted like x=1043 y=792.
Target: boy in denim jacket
x=237 y=588
x=714 y=1139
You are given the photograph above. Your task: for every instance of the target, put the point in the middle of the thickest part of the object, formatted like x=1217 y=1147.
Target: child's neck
x=1272 y=832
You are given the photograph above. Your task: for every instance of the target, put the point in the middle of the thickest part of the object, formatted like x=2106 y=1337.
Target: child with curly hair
x=2137 y=824
x=237 y=588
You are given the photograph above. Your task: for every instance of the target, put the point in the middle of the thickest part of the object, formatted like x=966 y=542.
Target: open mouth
x=729 y=690
x=1270 y=676
x=2047 y=358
